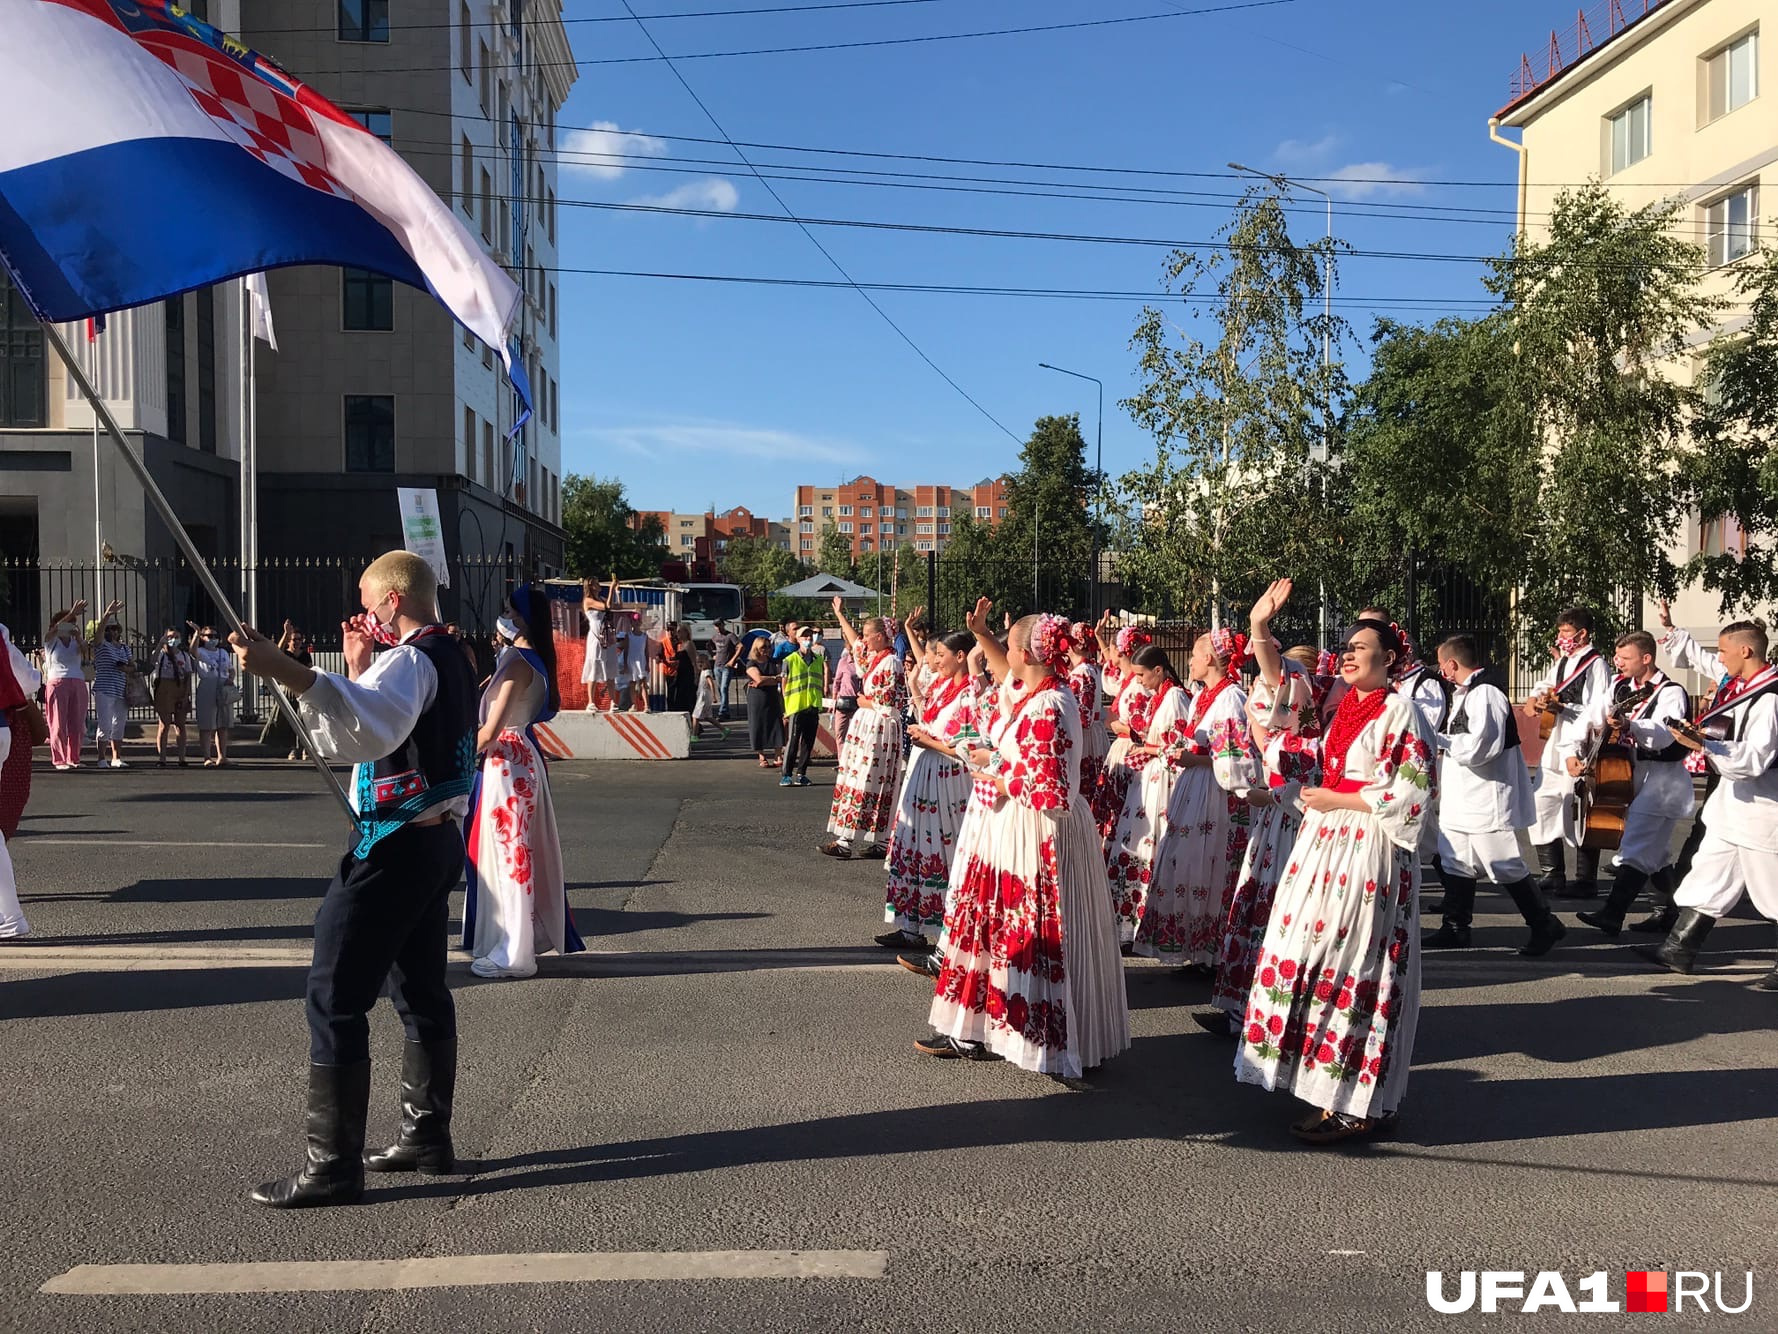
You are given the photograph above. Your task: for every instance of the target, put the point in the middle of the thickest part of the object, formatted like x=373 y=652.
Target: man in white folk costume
x=1567 y=692
x=1739 y=851
x=1662 y=786
x=406 y=718
x=1484 y=800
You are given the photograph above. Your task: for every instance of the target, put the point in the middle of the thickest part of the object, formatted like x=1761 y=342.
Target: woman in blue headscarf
x=517 y=902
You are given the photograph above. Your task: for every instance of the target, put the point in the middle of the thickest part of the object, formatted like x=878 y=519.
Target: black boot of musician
x=428 y=1083
x=1609 y=917
x=1436 y=907
x=339 y=1101
x=1550 y=860
x=1453 y=932
x=1586 y=874
x=1546 y=927
x=1659 y=922
x=1678 y=953
x=1769 y=982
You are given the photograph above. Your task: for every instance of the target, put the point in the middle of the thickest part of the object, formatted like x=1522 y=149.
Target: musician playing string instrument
x=1575 y=681
x=1662 y=787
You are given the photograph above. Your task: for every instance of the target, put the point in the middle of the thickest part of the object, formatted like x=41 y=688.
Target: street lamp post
x=1098 y=487
x=1287 y=182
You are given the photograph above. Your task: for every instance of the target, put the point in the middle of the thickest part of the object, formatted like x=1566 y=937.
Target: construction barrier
x=578 y=735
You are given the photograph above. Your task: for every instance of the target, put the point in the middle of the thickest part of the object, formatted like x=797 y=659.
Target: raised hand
x=114 y=606
x=977 y=620
x=839 y=605
x=1666 y=614
x=1271 y=602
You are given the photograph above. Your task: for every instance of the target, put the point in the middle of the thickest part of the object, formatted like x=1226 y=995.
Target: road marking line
x=453 y=1271
x=145 y=958
x=33 y=841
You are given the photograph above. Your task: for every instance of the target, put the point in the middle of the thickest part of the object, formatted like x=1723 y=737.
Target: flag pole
x=183 y=540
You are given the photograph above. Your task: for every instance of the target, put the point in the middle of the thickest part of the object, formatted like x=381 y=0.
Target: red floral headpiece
x=1131 y=638
x=1049 y=641
x=1231 y=647
x=1081 y=636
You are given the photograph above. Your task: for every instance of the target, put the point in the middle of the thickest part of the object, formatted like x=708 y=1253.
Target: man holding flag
x=176 y=159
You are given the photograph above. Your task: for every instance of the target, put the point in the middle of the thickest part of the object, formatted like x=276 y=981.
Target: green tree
x=760 y=567
x=1439 y=459
x=1243 y=407
x=1599 y=311
x=833 y=553
x=1735 y=472
x=596 y=516
x=1044 y=544
x=910 y=579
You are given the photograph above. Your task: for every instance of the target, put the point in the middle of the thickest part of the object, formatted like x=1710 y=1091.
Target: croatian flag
x=158 y=155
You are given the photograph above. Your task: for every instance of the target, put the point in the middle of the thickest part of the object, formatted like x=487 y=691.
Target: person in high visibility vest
x=805 y=674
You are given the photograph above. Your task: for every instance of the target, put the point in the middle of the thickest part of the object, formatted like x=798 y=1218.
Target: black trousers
x=385 y=918
x=799 y=741
x=1689 y=848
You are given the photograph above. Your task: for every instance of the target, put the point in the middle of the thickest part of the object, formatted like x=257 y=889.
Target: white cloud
x=722 y=441
x=1297 y=154
x=600 y=151
x=713 y=193
x=1374 y=180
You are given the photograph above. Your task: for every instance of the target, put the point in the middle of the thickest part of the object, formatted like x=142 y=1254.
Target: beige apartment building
x=1660 y=99
x=876 y=517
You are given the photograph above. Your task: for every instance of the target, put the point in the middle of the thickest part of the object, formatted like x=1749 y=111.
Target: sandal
x=836 y=849
x=1332 y=1127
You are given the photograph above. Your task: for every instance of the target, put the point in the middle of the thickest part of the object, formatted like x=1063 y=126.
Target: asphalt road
x=733 y=1072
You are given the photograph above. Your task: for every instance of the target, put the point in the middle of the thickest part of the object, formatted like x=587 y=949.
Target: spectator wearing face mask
x=215 y=667
x=65 y=694
x=113 y=664
x=171 y=674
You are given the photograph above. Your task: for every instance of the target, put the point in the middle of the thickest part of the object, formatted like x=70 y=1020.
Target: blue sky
x=698 y=394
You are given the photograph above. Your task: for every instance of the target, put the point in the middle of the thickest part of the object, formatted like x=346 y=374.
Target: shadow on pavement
x=603 y=922
x=265 y=889
x=68 y=994
x=209 y=795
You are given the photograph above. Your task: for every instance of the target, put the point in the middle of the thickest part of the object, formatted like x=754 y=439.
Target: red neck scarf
x=1351 y=718
x=937 y=703
x=1207 y=697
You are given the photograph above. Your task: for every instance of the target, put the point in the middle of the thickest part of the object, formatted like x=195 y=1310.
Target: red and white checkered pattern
x=274 y=129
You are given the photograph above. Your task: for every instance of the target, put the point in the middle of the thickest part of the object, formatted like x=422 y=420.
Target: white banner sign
x=421 y=530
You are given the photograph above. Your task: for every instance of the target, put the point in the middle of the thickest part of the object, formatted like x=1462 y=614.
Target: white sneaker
x=119 y=764
x=487 y=968
x=63 y=768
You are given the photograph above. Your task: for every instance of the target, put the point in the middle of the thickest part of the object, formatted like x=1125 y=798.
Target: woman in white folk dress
x=1126 y=721
x=1282 y=713
x=1336 y=994
x=869 y=778
x=516 y=906
x=1205 y=832
x=934 y=797
x=601 y=670
x=1030 y=969
x=1129 y=856
x=1088 y=685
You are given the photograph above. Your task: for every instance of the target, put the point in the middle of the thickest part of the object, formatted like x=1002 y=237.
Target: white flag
x=260 y=307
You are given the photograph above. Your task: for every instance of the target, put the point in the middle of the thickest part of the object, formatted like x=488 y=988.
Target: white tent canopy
x=826 y=586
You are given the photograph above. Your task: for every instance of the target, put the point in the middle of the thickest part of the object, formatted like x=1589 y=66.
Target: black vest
x=437 y=761
x=1486 y=676
x=1669 y=754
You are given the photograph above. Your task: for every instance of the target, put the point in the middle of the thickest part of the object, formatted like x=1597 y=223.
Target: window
x=944 y=529
x=922 y=528
x=176 y=370
x=807 y=527
x=367 y=301
x=923 y=512
x=466 y=158
x=845 y=527
x=487 y=357
x=469 y=443
x=487 y=206
x=1630 y=134
x=808 y=544
x=490 y=477
x=901 y=512
x=552 y=217
x=552 y=310
x=206 y=332
x=944 y=511
x=984 y=512
x=866 y=512
x=370 y=433
x=864 y=528
x=1002 y=513
x=845 y=509
x=487 y=80
x=1731 y=76
x=24 y=385
x=463 y=37
x=1729 y=225
x=1721 y=536
x=378 y=121
x=827 y=511
x=555 y=406
x=803 y=511
x=364 y=20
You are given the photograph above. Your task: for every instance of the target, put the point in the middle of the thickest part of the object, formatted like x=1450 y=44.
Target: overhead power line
x=815 y=240
x=503 y=24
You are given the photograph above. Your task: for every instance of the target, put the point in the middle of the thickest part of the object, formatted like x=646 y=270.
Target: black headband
x=1387 y=639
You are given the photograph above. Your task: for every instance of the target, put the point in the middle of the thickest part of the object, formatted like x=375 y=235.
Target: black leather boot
x=1659 y=922
x=1769 y=982
x=339 y=1100
x=1546 y=927
x=428 y=1084
x=1586 y=874
x=1550 y=861
x=1436 y=907
x=1609 y=917
x=1453 y=932
x=1679 y=951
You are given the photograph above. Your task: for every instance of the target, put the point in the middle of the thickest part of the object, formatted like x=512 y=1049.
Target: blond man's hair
x=404 y=573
